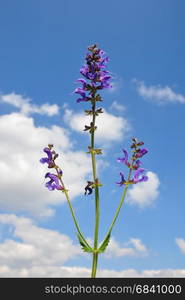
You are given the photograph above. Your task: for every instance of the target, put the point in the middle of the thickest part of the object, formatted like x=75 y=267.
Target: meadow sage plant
x=95 y=78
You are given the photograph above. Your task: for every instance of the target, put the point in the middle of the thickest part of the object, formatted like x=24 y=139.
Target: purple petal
x=44 y=160
x=47 y=175
x=53 y=183
x=122 y=179
x=102 y=52
x=138 y=172
x=80 y=91
x=50 y=185
x=84 y=70
x=89 y=190
x=123 y=159
x=48 y=152
x=144 y=151
x=105 y=78
x=137 y=175
x=81 y=80
x=126 y=154
x=141 y=152
x=144 y=178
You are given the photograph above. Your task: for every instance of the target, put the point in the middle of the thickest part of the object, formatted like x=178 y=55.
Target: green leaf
x=104 y=244
x=83 y=244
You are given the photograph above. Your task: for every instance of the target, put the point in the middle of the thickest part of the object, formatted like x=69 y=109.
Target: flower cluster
x=94 y=71
x=134 y=164
x=55 y=179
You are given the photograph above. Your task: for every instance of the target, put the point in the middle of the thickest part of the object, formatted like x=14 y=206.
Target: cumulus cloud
x=137 y=248
x=37 y=246
x=111 y=128
x=33 y=251
x=144 y=273
x=81 y=272
x=144 y=193
x=159 y=94
x=26 y=107
x=22 y=184
x=181 y=244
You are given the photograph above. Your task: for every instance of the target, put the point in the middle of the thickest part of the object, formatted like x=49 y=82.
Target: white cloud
x=144 y=193
x=34 y=251
x=26 y=107
x=38 y=252
x=22 y=181
x=117 y=106
x=110 y=128
x=81 y=272
x=181 y=244
x=38 y=246
x=115 y=250
x=144 y=273
x=159 y=93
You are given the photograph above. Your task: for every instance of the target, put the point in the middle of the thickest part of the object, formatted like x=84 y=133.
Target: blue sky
x=43 y=44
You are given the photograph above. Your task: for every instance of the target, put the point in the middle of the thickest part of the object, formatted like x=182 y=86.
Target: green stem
x=97 y=209
x=73 y=214
x=94 y=265
x=118 y=209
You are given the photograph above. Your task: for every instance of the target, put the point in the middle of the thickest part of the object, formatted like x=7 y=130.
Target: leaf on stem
x=84 y=246
x=104 y=244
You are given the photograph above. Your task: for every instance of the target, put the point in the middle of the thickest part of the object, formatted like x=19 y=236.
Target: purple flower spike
x=138 y=178
x=122 y=179
x=134 y=164
x=96 y=77
x=53 y=183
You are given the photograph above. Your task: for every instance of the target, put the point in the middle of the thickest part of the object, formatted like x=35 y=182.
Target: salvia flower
x=95 y=73
x=124 y=159
x=134 y=164
x=48 y=159
x=55 y=179
x=88 y=188
x=138 y=177
x=53 y=183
